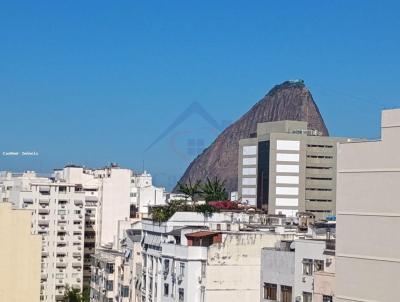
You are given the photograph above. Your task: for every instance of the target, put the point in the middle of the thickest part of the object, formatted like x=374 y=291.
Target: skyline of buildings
x=94 y=228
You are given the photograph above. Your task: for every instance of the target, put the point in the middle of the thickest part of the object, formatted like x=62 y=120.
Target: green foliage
x=206 y=209
x=214 y=190
x=211 y=190
x=163 y=213
x=74 y=295
x=192 y=190
x=160 y=214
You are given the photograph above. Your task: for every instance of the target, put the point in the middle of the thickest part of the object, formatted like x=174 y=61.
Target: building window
x=270 y=291
x=286 y=293
x=125 y=291
x=307 y=297
x=307 y=267
x=218 y=227
x=166 y=289
x=166 y=266
x=110 y=268
x=181 y=295
x=182 y=269
x=110 y=285
x=327 y=299
x=203 y=269
x=318 y=265
x=228 y=227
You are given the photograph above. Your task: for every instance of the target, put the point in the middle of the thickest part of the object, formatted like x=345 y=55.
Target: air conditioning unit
x=180 y=278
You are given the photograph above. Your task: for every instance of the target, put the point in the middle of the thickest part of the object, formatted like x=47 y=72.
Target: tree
x=192 y=190
x=74 y=295
x=214 y=190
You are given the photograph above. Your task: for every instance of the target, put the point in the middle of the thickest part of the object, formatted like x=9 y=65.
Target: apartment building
x=368 y=216
x=58 y=216
x=21 y=256
x=287 y=168
x=76 y=210
x=196 y=259
x=299 y=271
x=112 y=194
x=277 y=272
x=116 y=273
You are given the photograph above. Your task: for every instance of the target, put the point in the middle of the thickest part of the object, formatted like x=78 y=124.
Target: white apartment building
x=76 y=211
x=116 y=273
x=57 y=215
x=196 y=259
x=144 y=194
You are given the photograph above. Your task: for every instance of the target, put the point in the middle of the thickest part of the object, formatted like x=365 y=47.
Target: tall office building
x=287 y=168
x=368 y=216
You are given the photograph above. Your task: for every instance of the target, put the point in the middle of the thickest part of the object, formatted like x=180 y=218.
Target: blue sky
x=93 y=82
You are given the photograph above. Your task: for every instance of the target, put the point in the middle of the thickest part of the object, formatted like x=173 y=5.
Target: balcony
x=44 y=201
x=61 y=231
x=43 y=277
x=45 y=190
x=78 y=202
x=28 y=200
x=185 y=252
x=76 y=264
x=91 y=198
x=43 y=223
x=61 y=265
x=45 y=254
x=61 y=254
x=76 y=255
x=61 y=243
x=44 y=211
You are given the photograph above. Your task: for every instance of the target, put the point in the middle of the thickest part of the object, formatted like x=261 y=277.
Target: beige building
x=20 y=253
x=324 y=280
x=368 y=217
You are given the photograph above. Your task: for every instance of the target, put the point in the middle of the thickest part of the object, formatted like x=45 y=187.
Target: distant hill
x=290 y=100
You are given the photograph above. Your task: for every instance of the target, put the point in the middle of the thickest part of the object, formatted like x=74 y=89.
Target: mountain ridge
x=290 y=100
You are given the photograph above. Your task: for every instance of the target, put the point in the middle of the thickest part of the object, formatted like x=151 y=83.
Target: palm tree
x=192 y=190
x=214 y=190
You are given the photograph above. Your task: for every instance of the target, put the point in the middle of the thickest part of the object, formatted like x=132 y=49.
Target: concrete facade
x=277 y=271
x=286 y=169
x=368 y=216
x=175 y=268
x=302 y=270
x=309 y=259
x=20 y=253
